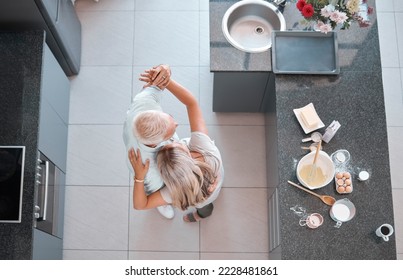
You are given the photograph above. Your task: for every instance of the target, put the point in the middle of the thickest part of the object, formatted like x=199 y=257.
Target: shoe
x=167 y=211
x=191 y=217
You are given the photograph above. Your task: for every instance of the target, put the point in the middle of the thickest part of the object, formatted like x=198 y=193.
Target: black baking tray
x=305 y=52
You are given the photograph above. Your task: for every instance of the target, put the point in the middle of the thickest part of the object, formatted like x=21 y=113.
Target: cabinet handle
x=45 y=203
x=57 y=11
x=37 y=210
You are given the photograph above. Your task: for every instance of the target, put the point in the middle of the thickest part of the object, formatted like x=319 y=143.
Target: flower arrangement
x=326 y=15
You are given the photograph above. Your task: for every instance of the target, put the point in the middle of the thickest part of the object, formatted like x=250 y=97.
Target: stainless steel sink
x=248 y=24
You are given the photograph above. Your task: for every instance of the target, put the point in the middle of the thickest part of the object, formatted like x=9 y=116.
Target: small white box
x=331 y=131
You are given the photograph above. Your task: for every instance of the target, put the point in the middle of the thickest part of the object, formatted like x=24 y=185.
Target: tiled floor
x=120 y=39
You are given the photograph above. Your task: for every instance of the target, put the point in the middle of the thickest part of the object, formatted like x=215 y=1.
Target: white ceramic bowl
x=323 y=161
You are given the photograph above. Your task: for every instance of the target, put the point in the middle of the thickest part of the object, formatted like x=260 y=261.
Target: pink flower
x=308 y=11
x=324 y=12
x=324 y=27
x=338 y=17
x=327 y=10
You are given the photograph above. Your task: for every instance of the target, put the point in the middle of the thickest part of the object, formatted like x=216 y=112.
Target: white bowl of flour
x=343 y=210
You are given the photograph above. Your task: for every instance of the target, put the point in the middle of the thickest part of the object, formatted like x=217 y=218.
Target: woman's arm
x=161 y=76
x=140 y=199
x=195 y=115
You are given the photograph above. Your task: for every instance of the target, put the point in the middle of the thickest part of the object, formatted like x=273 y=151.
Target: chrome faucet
x=280 y=4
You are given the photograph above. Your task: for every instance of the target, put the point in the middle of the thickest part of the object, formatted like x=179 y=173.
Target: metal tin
x=305 y=52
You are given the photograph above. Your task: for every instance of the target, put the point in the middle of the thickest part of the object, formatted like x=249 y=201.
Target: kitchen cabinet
x=54 y=111
x=274 y=222
x=52 y=143
x=34 y=107
x=57 y=18
x=242 y=91
x=46 y=247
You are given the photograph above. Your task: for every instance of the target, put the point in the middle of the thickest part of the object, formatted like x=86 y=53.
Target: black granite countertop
x=355 y=99
x=20 y=79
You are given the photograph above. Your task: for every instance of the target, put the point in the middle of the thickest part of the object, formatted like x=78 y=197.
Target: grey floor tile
x=96 y=155
x=401 y=77
x=395 y=140
x=387 y=40
x=204 y=5
x=100 y=95
x=244 y=154
x=107 y=37
x=163 y=5
x=104 y=5
x=238 y=223
x=393 y=93
x=96 y=218
x=137 y=85
x=204 y=38
x=94 y=255
x=397 y=5
x=234 y=256
x=150 y=231
x=171 y=37
x=385 y=5
x=398 y=212
x=134 y=255
x=399 y=34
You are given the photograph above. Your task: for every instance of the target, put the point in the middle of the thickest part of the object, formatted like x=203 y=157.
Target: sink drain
x=259 y=30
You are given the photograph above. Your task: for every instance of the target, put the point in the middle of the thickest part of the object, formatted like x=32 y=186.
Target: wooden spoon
x=327 y=199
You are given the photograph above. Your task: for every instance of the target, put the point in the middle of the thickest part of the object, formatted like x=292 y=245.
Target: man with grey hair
x=148 y=128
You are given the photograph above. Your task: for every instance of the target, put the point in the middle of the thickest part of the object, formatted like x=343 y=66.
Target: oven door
x=47 y=205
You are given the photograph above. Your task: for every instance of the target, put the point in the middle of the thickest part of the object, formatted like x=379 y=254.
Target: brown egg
x=339 y=175
x=349 y=189
x=340 y=182
x=348 y=182
x=346 y=175
x=341 y=189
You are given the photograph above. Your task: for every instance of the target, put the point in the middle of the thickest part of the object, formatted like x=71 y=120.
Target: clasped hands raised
x=158 y=76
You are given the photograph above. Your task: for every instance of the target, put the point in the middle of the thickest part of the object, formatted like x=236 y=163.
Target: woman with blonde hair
x=191 y=169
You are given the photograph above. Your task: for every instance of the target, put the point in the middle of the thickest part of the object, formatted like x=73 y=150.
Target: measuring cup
x=315 y=137
x=312 y=221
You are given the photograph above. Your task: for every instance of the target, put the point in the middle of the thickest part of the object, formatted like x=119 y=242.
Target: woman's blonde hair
x=150 y=127
x=187 y=179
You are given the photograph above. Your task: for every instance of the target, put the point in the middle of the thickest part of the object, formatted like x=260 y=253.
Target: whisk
x=312 y=173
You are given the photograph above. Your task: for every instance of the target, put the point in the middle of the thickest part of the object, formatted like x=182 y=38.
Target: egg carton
x=343 y=182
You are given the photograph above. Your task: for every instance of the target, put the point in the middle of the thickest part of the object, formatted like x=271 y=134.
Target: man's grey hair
x=150 y=127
